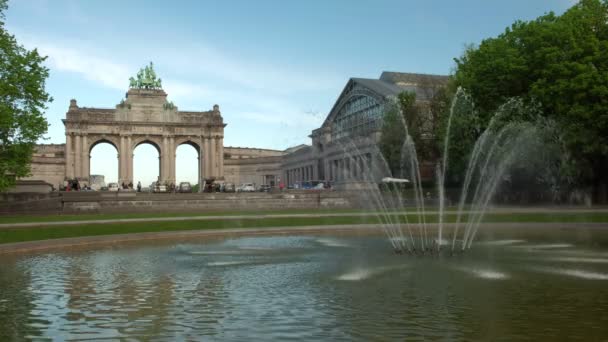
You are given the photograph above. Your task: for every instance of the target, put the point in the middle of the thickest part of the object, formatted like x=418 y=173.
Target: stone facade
x=48 y=164
x=345 y=148
x=252 y=165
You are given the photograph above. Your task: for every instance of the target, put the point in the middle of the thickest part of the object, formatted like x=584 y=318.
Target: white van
x=246 y=187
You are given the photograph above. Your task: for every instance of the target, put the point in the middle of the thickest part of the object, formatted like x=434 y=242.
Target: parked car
x=265 y=188
x=185 y=187
x=113 y=187
x=229 y=187
x=246 y=187
x=159 y=187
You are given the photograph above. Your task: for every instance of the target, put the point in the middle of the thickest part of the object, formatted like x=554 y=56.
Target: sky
x=275 y=68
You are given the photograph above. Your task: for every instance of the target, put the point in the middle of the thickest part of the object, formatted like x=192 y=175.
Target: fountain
x=514 y=132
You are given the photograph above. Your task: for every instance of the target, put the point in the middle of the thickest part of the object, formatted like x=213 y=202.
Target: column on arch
x=220 y=156
x=85 y=157
x=78 y=157
x=205 y=154
x=123 y=160
x=172 y=155
x=129 y=158
x=213 y=157
x=201 y=164
x=69 y=166
x=164 y=161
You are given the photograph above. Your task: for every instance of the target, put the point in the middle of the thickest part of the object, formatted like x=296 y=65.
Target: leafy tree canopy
x=22 y=101
x=560 y=62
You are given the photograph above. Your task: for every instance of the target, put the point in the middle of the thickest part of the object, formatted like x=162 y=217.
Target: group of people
x=128 y=186
x=72 y=185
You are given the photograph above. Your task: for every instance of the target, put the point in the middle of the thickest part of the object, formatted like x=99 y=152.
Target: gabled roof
x=409 y=78
x=377 y=86
x=295 y=148
x=392 y=84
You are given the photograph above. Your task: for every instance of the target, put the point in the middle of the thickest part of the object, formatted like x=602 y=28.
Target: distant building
x=346 y=142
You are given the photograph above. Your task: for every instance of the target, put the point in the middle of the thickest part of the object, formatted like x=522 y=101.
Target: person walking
x=138 y=186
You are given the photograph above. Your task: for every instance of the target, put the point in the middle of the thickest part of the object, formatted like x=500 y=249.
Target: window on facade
x=359 y=116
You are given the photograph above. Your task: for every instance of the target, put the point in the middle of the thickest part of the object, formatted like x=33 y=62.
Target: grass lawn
x=87 y=217
x=8 y=235
x=106 y=216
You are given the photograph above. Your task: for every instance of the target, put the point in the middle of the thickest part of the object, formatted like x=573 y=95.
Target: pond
x=537 y=285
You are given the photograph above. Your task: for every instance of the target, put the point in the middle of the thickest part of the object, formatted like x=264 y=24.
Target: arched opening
x=103 y=168
x=146 y=164
x=187 y=166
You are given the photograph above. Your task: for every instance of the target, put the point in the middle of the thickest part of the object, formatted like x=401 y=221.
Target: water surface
x=325 y=287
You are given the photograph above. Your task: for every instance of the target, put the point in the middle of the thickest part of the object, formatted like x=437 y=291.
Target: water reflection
x=305 y=288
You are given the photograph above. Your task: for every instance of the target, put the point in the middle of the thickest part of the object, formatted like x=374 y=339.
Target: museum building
x=345 y=147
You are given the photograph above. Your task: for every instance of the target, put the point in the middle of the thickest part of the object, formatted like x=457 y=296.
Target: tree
x=22 y=101
x=393 y=133
x=562 y=63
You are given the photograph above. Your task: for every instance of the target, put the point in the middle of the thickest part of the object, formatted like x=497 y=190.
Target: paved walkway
x=498 y=210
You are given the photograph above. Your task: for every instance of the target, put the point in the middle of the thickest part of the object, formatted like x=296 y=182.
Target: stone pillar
x=220 y=157
x=122 y=162
x=213 y=157
x=77 y=157
x=201 y=164
x=69 y=166
x=164 y=159
x=86 y=158
x=129 y=159
x=173 y=156
x=337 y=171
x=204 y=155
x=364 y=172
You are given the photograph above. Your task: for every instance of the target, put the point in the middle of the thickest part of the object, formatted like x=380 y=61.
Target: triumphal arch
x=144 y=116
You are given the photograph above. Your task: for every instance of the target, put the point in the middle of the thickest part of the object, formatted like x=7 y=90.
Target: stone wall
x=247 y=152
x=264 y=170
x=48 y=164
x=127 y=202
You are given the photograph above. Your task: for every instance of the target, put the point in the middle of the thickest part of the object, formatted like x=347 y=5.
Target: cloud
x=91 y=67
x=253 y=93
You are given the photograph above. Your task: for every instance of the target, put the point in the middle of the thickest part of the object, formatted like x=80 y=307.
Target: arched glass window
x=360 y=115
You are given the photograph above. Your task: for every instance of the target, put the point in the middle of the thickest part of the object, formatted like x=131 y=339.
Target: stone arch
x=188 y=141
x=154 y=141
x=94 y=140
x=197 y=145
x=157 y=143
